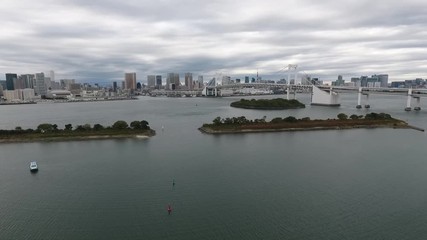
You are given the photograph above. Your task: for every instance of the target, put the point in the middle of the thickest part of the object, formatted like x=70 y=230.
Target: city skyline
x=100 y=41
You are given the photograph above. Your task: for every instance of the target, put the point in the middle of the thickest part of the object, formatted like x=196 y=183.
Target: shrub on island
x=268 y=104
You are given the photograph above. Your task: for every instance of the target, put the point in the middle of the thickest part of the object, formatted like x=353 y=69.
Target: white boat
x=33 y=167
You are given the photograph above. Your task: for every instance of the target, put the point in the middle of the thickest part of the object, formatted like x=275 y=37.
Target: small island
x=268 y=104
x=51 y=132
x=243 y=125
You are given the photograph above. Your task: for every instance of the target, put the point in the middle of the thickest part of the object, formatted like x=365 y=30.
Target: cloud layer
x=99 y=40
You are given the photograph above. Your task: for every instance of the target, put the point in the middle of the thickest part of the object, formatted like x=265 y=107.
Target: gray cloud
x=100 y=40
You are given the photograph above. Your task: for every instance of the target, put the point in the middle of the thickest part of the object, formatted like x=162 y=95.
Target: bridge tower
x=408 y=101
x=292 y=69
x=417 y=108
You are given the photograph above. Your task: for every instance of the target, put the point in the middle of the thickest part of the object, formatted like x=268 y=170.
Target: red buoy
x=169 y=209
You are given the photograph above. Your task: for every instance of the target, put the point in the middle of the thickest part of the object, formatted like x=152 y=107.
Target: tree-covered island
x=243 y=125
x=268 y=104
x=51 y=132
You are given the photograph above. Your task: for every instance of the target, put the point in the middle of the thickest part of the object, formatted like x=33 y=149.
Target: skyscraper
x=383 y=78
x=10 y=79
x=130 y=81
x=28 y=80
x=246 y=79
x=40 y=87
x=189 y=81
x=159 y=81
x=114 y=86
x=151 y=81
x=172 y=81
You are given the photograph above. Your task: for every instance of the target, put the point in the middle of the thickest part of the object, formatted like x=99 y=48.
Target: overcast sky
x=99 y=40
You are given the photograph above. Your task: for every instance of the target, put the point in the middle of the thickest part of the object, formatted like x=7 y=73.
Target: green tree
x=276 y=120
x=98 y=127
x=290 y=119
x=80 y=128
x=354 y=117
x=217 y=121
x=18 y=128
x=120 y=125
x=136 y=125
x=342 y=116
x=144 y=125
x=45 y=127
x=68 y=127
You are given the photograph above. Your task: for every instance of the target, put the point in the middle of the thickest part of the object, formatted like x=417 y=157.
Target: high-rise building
x=3 y=84
x=226 y=80
x=189 y=81
x=48 y=82
x=10 y=79
x=159 y=81
x=40 y=87
x=383 y=78
x=52 y=75
x=172 y=81
x=151 y=81
x=364 y=81
x=114 y=86
x=66 y=83
x=18 y=83
x=28 y=80
x=130 y=81
x=2 y=87
x=339 y=81
x=246 y=79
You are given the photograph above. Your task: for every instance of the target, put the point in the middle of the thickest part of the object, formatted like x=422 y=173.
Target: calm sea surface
x=352 y=184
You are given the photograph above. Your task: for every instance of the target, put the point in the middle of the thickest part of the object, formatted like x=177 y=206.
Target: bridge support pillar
x=288 y=89
x=408 y=101
x=359 y=98
x=417 y=108
x=367 y=102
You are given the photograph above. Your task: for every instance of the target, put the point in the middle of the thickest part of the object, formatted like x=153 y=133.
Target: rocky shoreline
x=208 y=130
x=62 y=138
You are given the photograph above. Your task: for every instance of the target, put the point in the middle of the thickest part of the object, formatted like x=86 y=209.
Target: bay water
x=335 y=184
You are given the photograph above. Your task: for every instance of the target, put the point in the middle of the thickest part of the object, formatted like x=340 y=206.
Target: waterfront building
x=28 y=80
x=399 y=84
x=151 y=81
x=19 y=94
x=383 y=79
x=11 y=95
x=364 y=81
x=75 y=88
x=1 y=90
x=52 y=75
x=27 y=94
x=3 y=84
x=65 y=83
x=189 y=81
x=130 y=81
x=172 y=81
x=339 y=82
x=55 y=85
x=115 y=87
x=246 y=79
x=10 y=79
x=40 y=87
x=355 y=81
x=47 y=82
x=226 y=80
x=159 y=82
x=18 y=83
x=237 y=80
